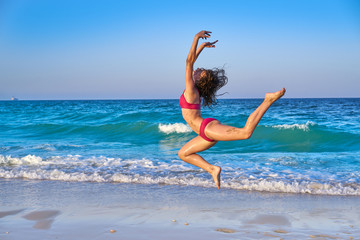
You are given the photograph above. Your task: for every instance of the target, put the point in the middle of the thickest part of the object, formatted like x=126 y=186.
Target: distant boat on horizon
x=14 y=99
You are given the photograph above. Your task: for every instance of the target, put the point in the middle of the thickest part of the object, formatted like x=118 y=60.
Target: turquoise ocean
x=309 y=146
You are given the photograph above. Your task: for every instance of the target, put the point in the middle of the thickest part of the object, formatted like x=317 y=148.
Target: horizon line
x=127 y=99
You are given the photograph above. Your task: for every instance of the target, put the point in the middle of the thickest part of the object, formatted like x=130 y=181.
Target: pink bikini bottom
x=204 y=123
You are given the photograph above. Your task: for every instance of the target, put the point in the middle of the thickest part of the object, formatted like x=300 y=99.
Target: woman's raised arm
x=192 y=53
x=192 y=56
x=204 y=45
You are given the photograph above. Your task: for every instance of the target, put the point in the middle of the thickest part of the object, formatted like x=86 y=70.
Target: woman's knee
x=182 y=154
x=248 y=133
x=245 y=133
x=239 y=133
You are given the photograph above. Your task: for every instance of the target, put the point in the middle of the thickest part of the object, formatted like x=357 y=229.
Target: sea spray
x=305 y=127
x=174 y=128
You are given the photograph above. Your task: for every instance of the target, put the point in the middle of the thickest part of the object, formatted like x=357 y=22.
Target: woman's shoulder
x=192 y=95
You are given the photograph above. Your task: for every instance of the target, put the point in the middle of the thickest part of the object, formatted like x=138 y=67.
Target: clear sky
x=83 y=49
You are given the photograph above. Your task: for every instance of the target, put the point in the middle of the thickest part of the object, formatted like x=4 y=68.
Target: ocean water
x=300 y=146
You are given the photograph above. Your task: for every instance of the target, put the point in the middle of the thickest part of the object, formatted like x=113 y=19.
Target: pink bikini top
x=186 y=105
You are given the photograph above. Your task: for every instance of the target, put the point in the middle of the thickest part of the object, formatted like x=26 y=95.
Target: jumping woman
x=203 y=84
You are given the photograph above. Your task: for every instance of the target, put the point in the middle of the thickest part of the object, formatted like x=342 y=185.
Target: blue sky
x=65 y=49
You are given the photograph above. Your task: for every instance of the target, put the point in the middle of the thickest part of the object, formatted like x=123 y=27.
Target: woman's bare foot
x=215 y=173
x=272 y=97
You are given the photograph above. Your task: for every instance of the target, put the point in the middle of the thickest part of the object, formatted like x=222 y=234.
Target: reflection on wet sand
x=8 y=213
x=44 y=219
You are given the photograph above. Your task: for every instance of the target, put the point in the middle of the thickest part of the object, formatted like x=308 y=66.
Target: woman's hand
x=195 y=51
x=203 y=34
x=209 y=44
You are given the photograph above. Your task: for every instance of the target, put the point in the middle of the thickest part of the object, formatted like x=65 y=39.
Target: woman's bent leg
x=188 y=153
x=221 y=132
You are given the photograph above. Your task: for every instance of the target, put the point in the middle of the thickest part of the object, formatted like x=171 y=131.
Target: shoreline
x=71 y=210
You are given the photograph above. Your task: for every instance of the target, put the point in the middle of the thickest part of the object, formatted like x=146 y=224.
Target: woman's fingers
x=210 y=44
x=205 y=34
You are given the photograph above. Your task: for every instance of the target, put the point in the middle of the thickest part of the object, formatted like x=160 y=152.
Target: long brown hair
x=213 y=80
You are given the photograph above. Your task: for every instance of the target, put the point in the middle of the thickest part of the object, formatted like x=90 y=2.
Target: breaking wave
x=174 y=128
x=144 y=171
x=304 y=127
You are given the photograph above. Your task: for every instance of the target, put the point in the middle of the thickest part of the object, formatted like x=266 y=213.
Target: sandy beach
x=65 y=210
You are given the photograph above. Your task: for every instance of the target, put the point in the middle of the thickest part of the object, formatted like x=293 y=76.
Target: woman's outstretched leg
x=221 y=132
x=188 y=153
x=256 y=116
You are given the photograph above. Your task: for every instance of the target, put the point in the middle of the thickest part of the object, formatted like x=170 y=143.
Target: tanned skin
x=214 y=130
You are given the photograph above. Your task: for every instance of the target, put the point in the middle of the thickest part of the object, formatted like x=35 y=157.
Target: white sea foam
x=305 y=127
x=32 y=160
x=27 y=160
x=174 y=128
x=296 y=187
x=75 y=168
x=250 y=184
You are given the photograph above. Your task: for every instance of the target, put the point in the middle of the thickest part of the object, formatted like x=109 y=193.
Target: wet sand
x=69 y=210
